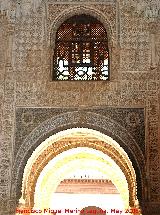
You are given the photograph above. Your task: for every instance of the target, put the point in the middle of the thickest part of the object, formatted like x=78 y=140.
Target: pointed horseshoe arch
x=54 y=146
x=78 y=119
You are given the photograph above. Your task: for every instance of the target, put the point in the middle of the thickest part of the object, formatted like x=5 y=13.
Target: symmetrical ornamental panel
x=28 y=31
x=109 y=121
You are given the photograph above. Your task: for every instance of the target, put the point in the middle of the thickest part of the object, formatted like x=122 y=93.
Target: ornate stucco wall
x=27 y=33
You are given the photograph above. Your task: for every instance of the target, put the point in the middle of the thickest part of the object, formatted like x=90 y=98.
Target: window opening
x=81 y=50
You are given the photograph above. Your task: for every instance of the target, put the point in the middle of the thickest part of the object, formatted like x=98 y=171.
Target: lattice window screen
x=81 y=50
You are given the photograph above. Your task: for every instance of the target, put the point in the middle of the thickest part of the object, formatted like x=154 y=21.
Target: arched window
x=81 y=50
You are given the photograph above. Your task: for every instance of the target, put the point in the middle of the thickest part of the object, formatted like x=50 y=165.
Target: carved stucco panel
x=153 y=146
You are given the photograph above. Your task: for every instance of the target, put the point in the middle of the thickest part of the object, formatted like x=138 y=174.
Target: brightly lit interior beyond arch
x=69 y=162
x=82 y=159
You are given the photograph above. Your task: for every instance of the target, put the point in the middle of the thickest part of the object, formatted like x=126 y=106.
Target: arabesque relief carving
x=27 y=33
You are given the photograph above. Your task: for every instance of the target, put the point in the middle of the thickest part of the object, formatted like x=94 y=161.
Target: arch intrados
x=111 y=151
x=66 y=160
x=67 y=133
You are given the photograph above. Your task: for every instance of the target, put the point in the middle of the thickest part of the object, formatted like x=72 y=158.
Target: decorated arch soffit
x=79 y=158
x=34 y=168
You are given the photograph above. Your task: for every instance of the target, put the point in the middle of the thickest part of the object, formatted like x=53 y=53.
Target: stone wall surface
x=27 y=35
